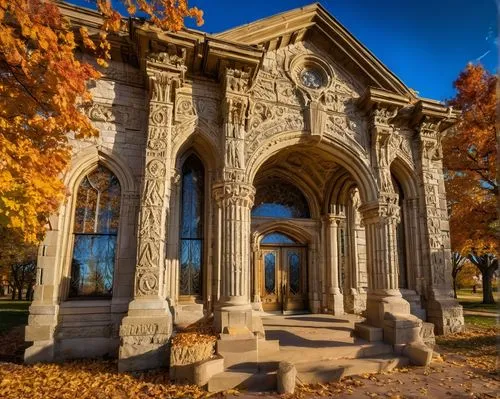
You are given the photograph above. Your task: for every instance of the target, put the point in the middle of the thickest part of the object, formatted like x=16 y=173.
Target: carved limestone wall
x=278 y=102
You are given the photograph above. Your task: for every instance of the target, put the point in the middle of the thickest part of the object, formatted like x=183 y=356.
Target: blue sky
x=425 y=43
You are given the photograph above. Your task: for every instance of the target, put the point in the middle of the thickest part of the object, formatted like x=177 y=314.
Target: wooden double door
x=283 y=278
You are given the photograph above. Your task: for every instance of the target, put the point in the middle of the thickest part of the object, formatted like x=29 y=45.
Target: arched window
x=277 y=238
x=191 y=232
x=97 y=213
x=279 y=199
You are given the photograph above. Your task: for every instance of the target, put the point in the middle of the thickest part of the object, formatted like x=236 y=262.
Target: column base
x=40 y=330
x=233 y=317
x=144 y=335
x=402 y=329
x=335 y=303
x=446 y=314
x=380 y=303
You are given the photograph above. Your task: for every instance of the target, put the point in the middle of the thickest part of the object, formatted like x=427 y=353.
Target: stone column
x=234 y=197
x=256 y=258
x=442 y=309
x=380 y=220
x=335 y=299
x=146 y=330
x=235 y=201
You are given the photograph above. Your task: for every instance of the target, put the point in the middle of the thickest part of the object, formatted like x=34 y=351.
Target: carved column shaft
x=380 y=220
x=155 y=191
x=335 y=298
x=235 y=201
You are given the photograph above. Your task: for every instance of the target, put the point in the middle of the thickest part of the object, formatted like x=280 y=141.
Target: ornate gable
x=314 y=24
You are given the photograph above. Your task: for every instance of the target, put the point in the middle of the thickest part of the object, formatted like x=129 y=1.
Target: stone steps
x=334 y=370
x=243 y=379
x=264 y=378
x=353 y=351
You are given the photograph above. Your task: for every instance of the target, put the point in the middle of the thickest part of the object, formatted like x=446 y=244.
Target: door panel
x=270 y=279
x=294 y=278
x=283 y=278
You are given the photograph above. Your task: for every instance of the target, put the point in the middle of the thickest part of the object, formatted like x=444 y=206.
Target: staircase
x=321 y=347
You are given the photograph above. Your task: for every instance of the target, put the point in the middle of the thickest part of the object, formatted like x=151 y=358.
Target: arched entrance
x=282 y=273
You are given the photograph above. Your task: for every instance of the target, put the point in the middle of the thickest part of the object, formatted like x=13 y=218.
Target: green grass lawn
x=473 y=301
x=12 y=314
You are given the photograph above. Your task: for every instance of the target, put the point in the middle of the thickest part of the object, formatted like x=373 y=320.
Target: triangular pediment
x=315 y=25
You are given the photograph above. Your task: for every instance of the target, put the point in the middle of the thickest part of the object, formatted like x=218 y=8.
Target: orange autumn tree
x=43 y=86
x=470 y=162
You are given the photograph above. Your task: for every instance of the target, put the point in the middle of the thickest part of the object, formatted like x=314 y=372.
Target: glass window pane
x=98 y=196
x=192 y=198
x=279 y=199
x=97 y=212
x=270 y=273
x=277 y=238
x=191 y=251
x=191 y=231
x=294 y=272
x=93 y=264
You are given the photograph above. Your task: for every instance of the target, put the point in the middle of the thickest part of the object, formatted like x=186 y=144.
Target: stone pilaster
x=44 y=309
x=146 y=330
x=335 y=299
x=235 y=201
x=442 y=309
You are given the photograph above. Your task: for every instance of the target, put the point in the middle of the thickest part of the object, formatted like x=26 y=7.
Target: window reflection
x=294 y=272
x=279 y=199
x=270 y=273
x=96 y=225
x=191 y=232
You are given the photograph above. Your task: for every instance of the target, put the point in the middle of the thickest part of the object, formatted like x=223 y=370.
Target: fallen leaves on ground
x=88 y=379
x=477 y=345
x=188 y=339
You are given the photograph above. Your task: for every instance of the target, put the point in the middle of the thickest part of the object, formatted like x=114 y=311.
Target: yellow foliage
x=43 y=87
x=470 y=158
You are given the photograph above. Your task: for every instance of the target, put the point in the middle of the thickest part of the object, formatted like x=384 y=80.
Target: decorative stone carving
x=235 y=194
x=236 y=80
x=114 y=114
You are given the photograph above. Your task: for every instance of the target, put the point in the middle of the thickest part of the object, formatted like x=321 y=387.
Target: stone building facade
x=277 y=166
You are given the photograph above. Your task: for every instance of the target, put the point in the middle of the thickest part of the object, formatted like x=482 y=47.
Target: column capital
x=385 y=210
x=333 y=218
x=242 y=194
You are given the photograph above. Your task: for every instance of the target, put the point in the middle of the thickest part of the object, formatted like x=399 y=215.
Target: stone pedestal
x=380 y=303
x=401 y=329
x=446 y=314
x=145 y=333
x=237 y=316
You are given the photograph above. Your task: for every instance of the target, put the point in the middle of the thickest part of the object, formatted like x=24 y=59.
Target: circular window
x=311 y=78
